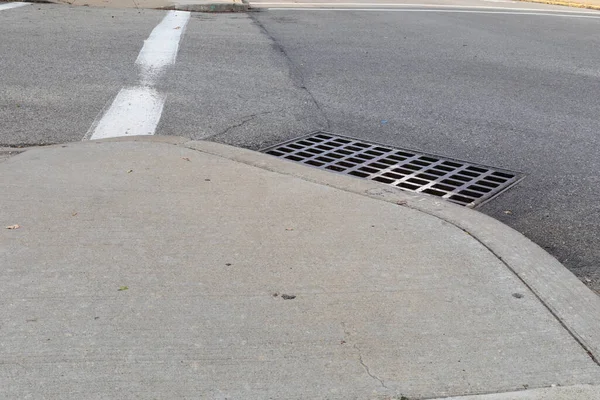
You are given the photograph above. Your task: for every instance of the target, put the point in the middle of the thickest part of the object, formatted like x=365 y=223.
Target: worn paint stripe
x=401 y=6
x=8 y=6
x=160 y=49
x=135 y=111
x=549 y=14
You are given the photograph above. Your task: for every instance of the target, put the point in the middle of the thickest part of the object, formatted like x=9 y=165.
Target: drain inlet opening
x=457 y=181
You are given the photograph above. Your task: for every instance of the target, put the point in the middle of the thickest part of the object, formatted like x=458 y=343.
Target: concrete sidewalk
x=161 y=268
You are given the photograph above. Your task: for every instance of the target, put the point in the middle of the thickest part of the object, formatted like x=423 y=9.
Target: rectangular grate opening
x=457 y=181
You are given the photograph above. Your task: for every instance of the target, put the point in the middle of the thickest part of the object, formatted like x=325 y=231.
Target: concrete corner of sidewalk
x=166 y=268
x=561 y=291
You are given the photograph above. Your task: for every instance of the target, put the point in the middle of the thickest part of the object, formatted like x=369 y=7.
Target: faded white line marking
x=8 y=6
x=438 y=11
x=400 y=6
x=137 y=110
x=160 y=49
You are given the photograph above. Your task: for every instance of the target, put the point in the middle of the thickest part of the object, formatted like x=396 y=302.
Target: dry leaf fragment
x=73 y=214
x=15 y=226
x=185 y=158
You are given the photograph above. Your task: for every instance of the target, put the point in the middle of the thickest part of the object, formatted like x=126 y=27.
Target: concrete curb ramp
x=159 y=267
x=565 y=296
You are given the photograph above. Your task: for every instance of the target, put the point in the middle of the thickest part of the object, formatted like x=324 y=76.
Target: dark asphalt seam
x=25 y=145
x=295 y=73
x=245 y=119
x=29 y=1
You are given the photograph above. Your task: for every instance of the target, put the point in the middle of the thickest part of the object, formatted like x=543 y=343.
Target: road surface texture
x=511 y=85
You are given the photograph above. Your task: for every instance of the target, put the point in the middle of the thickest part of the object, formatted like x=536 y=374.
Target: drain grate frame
x=460 y=182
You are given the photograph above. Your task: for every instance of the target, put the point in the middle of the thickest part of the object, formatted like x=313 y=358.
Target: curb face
x=211 y=7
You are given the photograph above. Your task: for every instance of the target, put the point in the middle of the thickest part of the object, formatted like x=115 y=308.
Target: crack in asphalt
x=295 y=73
x=245 y=119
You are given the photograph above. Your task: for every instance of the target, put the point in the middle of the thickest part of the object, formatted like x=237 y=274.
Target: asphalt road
x=509 y=88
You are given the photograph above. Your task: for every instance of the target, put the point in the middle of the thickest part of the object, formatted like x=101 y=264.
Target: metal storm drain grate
x=460 y=182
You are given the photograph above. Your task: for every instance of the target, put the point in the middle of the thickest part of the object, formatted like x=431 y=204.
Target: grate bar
x=457 y=181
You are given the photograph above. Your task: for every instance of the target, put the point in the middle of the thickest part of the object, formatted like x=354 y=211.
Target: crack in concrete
x=360 y=357
x=367 y=369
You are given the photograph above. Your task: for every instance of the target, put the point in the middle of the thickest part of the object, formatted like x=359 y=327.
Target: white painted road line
x=400 y=6
x=8 y=6
x=549 y=14
x=137 y=110
x=160 y=49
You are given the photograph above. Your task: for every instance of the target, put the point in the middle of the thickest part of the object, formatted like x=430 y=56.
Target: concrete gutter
x=212 y=6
